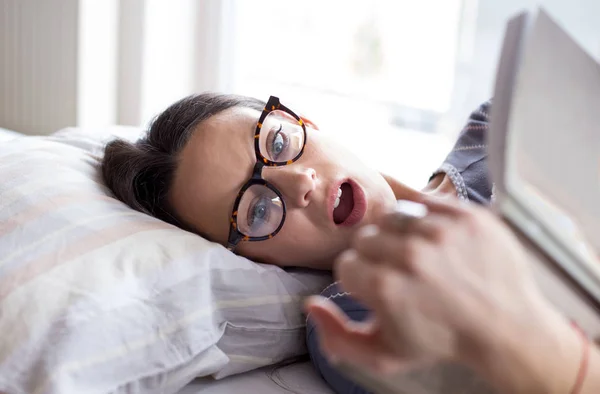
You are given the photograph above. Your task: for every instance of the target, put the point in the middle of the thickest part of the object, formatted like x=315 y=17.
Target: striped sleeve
x=466 y=165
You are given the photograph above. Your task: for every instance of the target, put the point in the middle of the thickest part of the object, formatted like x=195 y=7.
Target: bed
x=77 y=253
x=298 y=377
x=233 y=322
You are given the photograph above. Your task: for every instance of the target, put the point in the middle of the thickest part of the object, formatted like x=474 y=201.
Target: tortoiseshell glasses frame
x=235 y=235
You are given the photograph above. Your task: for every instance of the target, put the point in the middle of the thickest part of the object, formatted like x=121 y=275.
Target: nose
x=296 y=183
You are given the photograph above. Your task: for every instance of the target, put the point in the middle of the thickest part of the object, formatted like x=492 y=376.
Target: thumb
x=340 y=338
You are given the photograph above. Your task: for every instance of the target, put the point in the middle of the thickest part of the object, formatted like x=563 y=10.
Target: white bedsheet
x=298 y=378
x=6 y=135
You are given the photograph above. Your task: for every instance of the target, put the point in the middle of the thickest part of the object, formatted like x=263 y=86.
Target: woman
x=296 y=186
x=271 y=186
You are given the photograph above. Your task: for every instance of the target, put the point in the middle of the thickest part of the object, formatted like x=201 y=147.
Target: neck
x=440 y=186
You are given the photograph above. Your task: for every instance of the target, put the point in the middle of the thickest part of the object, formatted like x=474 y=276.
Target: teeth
x=337 y=202
x=340 y=192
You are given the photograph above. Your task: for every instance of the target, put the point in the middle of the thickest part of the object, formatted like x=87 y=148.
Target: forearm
x=544 y=357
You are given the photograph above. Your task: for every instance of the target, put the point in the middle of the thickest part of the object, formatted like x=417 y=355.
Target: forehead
x=213 y=166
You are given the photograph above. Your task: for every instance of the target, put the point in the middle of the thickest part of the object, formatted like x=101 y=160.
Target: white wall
x=101 y=62
x=57 y=65
x=38 y=52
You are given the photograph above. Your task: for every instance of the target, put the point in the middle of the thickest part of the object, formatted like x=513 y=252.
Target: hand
x=454 y=285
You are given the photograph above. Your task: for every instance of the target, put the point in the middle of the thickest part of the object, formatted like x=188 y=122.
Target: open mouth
x=344 y=203
x=349 y=205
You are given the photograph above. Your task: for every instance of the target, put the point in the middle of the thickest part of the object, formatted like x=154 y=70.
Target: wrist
x=541 y=354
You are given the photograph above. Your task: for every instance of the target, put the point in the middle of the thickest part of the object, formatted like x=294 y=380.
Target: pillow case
x=97 y=297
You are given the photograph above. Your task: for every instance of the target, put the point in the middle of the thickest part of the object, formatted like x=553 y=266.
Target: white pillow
x=96 y=297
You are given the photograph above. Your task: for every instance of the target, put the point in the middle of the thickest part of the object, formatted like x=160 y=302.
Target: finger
x=356 y=276
x=409 y=214
x=445 y=206
x=394 y=221
x=340 y=338
x=379 y=287
x=384 y=291
x=402 y=251
x=351 y=343
x=434 y=228
x=398 y=224
x=406 y=211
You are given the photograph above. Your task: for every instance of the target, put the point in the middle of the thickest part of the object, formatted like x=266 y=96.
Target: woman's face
x=218 y=160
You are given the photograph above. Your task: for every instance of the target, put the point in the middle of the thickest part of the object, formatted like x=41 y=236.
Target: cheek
x=330 y=148
x=330 y=159
x=349 y=164
x=299 y=243
x=337 y=156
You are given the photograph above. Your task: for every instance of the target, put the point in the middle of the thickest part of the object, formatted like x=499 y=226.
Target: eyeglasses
x=259 y=210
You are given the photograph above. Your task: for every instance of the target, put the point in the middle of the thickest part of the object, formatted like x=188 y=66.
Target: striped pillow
x=96 y=297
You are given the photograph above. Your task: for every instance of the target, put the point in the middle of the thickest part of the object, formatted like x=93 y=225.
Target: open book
x=544 y=145
x=544 y=158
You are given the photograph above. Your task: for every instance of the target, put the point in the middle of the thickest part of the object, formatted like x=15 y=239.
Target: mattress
x=298 y=378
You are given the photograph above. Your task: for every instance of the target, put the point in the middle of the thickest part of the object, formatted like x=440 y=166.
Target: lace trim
x=331 y=297
x=457 y=180
x=472 y=126
x=333 y=284
x=469 y=147
x=336 y=295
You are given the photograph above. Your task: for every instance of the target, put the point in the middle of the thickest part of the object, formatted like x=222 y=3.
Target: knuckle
x=360 y=243
x=382 y=287
x=412 y=253
x=440 y=234
x=471 y=220
x=382 y=366
x=365 y=240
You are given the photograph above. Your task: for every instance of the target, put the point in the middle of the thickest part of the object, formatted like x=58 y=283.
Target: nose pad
x=295 y=183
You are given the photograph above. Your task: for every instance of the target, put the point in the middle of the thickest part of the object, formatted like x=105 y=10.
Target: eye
x=278 y=143
x=258 y=211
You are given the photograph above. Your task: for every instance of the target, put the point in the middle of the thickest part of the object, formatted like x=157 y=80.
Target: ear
x=309 y=123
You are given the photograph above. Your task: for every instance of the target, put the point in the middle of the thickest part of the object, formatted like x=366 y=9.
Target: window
x=377 y=75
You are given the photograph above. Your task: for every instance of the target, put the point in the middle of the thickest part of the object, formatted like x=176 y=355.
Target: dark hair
x=141 y=174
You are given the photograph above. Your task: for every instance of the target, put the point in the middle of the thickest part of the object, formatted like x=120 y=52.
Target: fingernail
x=410 y=209
x=370 y=230
x=348 y=255
x=314 y=300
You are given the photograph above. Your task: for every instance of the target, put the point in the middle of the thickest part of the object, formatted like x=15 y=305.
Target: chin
x=379 y=206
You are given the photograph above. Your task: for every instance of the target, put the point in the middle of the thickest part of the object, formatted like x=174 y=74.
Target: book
x=544 y=145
